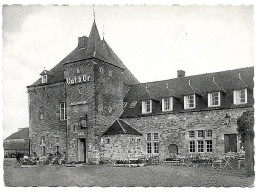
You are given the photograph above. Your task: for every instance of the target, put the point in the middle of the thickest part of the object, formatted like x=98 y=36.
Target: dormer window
x=44 y=79
x=167 y=104
x=189 y=101
x=240 y=96
x=132 y=105
x=147 y=106
x=214 y=99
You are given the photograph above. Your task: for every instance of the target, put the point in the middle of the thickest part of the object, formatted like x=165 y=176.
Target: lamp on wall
x=227 y=119
x=83 y=122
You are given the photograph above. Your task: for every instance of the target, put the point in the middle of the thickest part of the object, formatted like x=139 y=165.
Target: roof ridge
x=143 y=83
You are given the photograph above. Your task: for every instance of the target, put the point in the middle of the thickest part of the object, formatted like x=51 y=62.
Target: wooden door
x=230 y=142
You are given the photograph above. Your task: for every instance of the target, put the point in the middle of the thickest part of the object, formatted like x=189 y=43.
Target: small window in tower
x=80 y=90
x=110 y=73
x=101 y=70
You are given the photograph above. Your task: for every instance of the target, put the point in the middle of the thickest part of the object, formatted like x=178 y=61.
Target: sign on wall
x=78 y=79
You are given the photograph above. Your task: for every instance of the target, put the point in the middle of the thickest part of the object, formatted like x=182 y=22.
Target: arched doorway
x=173 y=149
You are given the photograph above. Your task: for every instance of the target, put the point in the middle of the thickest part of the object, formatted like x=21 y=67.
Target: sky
x=152 y=41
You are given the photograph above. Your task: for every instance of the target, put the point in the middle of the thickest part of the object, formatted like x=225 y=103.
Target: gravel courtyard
x=106 y=175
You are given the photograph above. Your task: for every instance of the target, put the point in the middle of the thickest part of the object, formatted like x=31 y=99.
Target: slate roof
x=120 y=127
x=16 y=145
x=22 y=133
x=225 y=81
x=18 y=140
x=94 y=48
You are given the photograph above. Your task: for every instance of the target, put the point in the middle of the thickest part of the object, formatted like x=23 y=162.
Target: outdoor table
x=228 y=162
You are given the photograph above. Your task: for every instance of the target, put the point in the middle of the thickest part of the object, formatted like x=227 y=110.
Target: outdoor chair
x=241 y=159
x=217 y=161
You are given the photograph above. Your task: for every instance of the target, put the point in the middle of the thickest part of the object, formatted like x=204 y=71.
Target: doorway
x=82 y=150
x=230 y=142
x=173 y=149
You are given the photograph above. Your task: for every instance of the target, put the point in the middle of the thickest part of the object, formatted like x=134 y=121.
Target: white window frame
x=44 y=79
x=164 y=104
x=187 y=100
x=237 y=98
x=144 y=106
x=192 y=134
x=192 y=146
x=63 y=111
x=210 y=99
x=152 y=143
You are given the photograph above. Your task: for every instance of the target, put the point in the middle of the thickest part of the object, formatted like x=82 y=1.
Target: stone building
x=90 y=107
x=17 y=143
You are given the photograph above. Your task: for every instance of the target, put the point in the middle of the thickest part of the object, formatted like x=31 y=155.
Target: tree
x=245 y=131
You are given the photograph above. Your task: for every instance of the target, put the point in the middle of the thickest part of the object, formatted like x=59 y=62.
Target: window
x=149 y=147
x=132 y=105
x=214 y=99
x=57 y=140
x=57 y=149
x=107 y=141
x=240 y=96
x=63 y=111
x=124 y=104
x=167 y=104
x=189 y=102
x=209 y=145
x=42 y=140
x=80 y=90
x=191 y=134
x=41 y=116
x=200 y=133
x=192 y=146
x=101 y=70
x=152 y=142
x=156 y=147
x=138 y=141
x=146 y=106
x=110 y=73
x=200 y=146
x=44 y=78
x=149 y=137
x=208 y=133
x=78 y=71
x=43 y=151
x=155 y=137
x=132 y=140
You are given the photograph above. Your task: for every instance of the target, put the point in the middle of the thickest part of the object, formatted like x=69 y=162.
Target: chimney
x=180 y=73
x=82 y=42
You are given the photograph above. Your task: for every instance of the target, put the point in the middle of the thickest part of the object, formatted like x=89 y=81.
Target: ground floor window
x=209 y=145
x=192 y=146
x=149 y=147
x=156 y=147
x=200 y=146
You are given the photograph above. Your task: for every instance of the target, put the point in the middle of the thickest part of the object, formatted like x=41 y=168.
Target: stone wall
x=122 y=147
x=100 y=102
x=173 y=128
x=45 y=100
